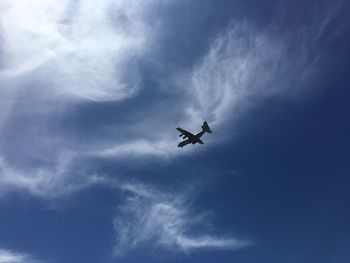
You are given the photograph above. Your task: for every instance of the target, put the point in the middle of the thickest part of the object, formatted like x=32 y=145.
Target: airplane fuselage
x=189 y=137
x=196 y=138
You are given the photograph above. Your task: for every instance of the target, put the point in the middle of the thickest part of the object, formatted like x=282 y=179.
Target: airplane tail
x=206 y=128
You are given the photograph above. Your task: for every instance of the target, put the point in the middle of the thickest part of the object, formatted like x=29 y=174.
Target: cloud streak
x=62 y=178
x=242 y=67
x=7 y=256
x=166 y=221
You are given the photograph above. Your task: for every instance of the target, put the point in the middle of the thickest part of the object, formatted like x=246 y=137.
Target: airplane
x=189 y=137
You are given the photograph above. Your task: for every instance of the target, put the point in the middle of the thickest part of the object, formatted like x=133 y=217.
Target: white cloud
x=327 y=17
x=61 y=51
x=248 y=63
x=55 y=54
x=7 y=256
x=51 y=181
x=77 y=49
x=58 y=44
x=140 y=147
x=242 y=67
x=164 y=148
x=88 y=50
x=68 y=49
x=152 y=218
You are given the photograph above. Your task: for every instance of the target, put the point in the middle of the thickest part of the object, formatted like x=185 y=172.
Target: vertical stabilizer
x=206 y=128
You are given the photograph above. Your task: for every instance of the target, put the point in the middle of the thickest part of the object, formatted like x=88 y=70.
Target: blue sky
x=91 y=93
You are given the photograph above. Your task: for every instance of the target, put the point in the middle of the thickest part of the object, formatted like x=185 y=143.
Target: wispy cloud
x=139 y=148
x=56 y=58
x=150 y=218
x=243 y=66
x=63 y=54
x=7 y=256
x=52 y=181
x=75 y=49
x=57 y=55
x=328 y=16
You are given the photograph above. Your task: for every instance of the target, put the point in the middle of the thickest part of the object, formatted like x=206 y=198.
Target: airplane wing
x=184 y=132
x=183 y=143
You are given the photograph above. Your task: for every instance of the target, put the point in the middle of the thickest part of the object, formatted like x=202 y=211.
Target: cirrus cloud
x=7 y=256
x=57 y=53
x=72 y=54
x=77 y=49
x=163 y=220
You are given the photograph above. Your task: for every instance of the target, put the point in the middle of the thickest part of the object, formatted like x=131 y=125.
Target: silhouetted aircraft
x=192 y=138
